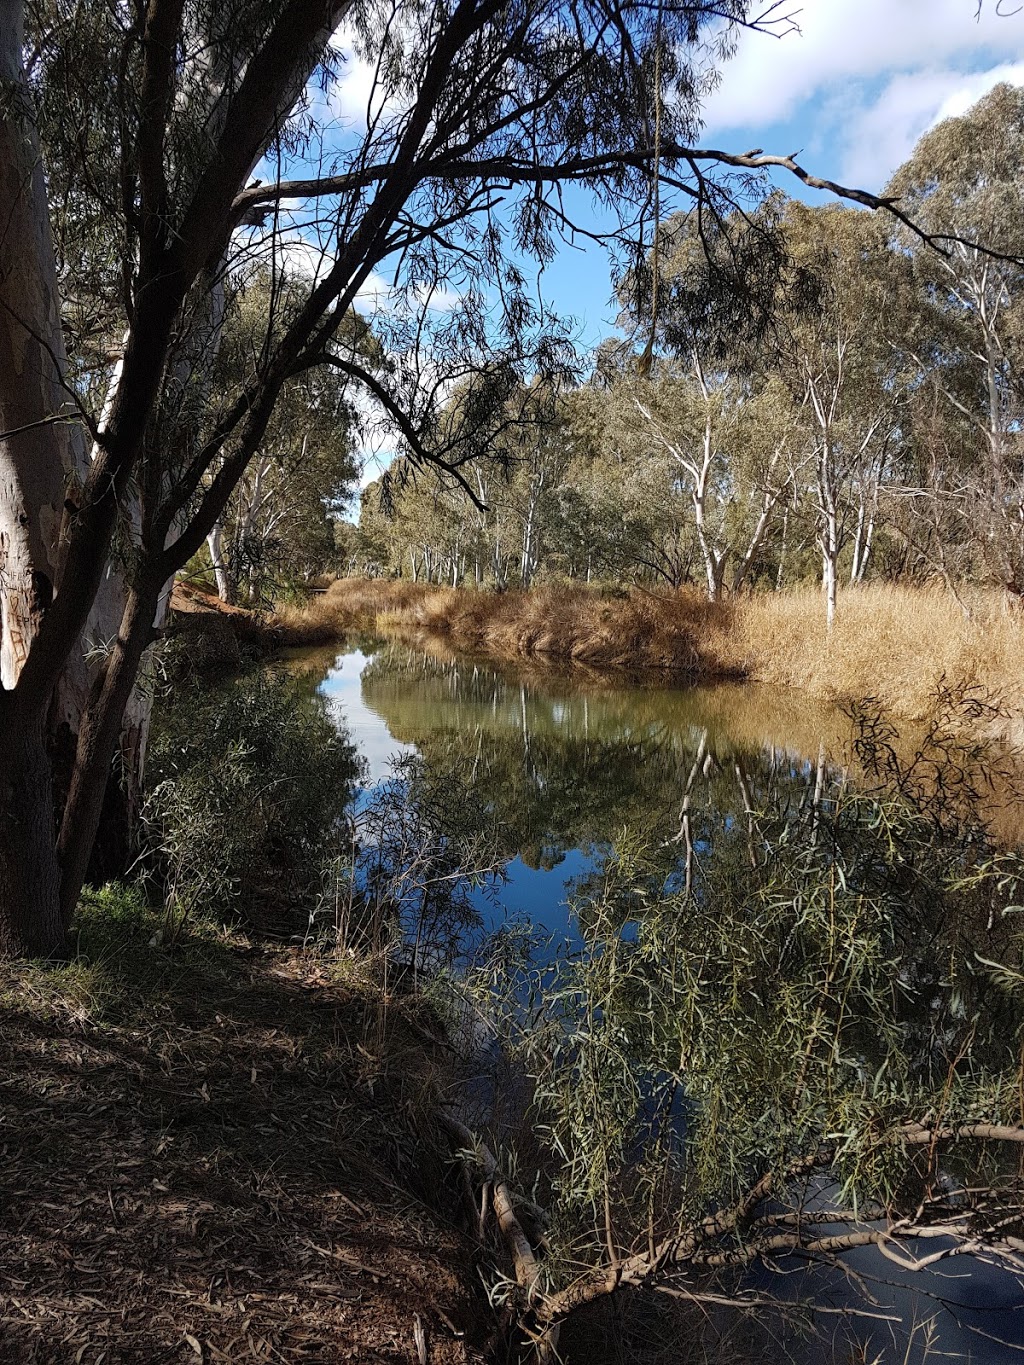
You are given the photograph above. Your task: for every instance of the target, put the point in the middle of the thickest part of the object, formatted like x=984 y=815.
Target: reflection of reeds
x=893 y=643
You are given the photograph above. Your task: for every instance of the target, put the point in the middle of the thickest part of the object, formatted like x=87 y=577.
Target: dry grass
x=348 y=604
x=568 y=624
x=893 y=643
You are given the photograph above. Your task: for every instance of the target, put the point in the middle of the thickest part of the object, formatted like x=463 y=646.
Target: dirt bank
x=222 y=1152
x=208 y=637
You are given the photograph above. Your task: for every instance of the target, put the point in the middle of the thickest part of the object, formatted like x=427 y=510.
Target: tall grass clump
x=561 y=623
x=347 y=604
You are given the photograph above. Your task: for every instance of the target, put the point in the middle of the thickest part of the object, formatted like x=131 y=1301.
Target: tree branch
x=516 y=171
x=420 y=453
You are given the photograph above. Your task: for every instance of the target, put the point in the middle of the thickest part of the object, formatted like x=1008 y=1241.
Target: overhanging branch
x=419 y=451
x=517 y=171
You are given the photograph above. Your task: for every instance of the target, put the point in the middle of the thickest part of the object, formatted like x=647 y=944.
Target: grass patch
x=572 y=624
x=894 y=643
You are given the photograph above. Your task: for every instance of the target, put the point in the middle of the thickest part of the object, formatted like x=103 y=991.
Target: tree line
x=864 y=421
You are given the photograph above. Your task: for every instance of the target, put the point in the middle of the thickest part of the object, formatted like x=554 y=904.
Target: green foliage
x=248 y=787
x=809 y=978
x=121 y=964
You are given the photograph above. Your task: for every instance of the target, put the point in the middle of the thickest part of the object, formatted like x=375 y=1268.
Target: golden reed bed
x=891 y=642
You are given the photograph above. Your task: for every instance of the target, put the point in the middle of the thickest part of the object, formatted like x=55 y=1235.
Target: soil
x=214 y=637
x=224 y=1154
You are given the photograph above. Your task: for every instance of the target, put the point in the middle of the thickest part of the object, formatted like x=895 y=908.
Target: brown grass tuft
x=348 y=604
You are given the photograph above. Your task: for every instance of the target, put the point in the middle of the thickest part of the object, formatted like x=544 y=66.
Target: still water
x=547 y=782
x=555 y=770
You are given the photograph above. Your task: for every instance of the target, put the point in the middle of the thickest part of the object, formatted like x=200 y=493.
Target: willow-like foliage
x=790 y=1008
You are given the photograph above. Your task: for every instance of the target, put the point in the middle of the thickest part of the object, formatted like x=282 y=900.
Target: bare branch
x=420 y=453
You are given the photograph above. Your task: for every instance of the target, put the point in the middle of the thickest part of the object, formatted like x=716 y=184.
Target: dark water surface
x=556 y=774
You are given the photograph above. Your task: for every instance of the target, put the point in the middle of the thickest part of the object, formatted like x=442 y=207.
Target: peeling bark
x=36 y=414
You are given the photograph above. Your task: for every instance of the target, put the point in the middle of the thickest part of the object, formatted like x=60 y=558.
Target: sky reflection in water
x=561 y=774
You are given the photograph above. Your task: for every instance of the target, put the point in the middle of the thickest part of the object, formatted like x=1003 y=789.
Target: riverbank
x=897 y=644
x=210 y=638
x=222 y=1150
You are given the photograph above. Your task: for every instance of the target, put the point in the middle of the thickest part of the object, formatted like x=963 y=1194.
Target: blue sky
x=852 y=88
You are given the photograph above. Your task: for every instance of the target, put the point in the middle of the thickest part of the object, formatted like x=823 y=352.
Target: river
x=551 y=781
x=558 y=766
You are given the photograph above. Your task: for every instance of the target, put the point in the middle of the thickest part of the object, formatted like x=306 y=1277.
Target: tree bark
x=98 y=741
x=40 y=450
x=35 y=456
x=829 y=555
x=215 y=540
x=31 y=924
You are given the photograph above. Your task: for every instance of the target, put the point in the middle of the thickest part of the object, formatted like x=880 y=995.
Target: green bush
x=248 y=787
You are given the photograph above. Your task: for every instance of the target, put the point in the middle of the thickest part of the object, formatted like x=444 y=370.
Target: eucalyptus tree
x=620 y=514
x=276 y=526
x=420 y=531
x=491 y=516
x=848 y=296
x=702 y=395
x=966 y=177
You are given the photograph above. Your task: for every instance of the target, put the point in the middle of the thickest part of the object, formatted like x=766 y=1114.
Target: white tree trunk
x=829 y=556
x=37 y=448
x=781 y=572
x=37 y=466
x=869 y=540
x=215 y=542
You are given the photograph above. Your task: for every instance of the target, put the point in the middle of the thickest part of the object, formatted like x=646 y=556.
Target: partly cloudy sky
x=852 y=91
x=864 y=79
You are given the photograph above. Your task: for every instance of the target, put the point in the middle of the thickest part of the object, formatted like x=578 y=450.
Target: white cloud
x=882 y=134
x=360 y=90
x=354 y=89
x=843 y=41
x=375 y=295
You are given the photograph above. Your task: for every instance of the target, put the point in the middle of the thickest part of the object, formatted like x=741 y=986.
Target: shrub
x=248 y=790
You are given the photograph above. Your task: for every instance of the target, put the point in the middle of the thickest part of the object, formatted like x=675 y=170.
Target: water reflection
x=755 y=941
x=555 y=774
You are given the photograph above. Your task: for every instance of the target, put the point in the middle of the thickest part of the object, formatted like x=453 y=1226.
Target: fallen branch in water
x=527 y=1268
x=699 y=1247
x=528 y=1271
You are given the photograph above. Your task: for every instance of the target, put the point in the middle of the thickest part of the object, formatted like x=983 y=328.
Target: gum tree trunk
x=34 y=453
x=37 y=444
x=31 y=924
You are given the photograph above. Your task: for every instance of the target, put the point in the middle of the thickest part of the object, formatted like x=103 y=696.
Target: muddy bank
x=208 y=638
